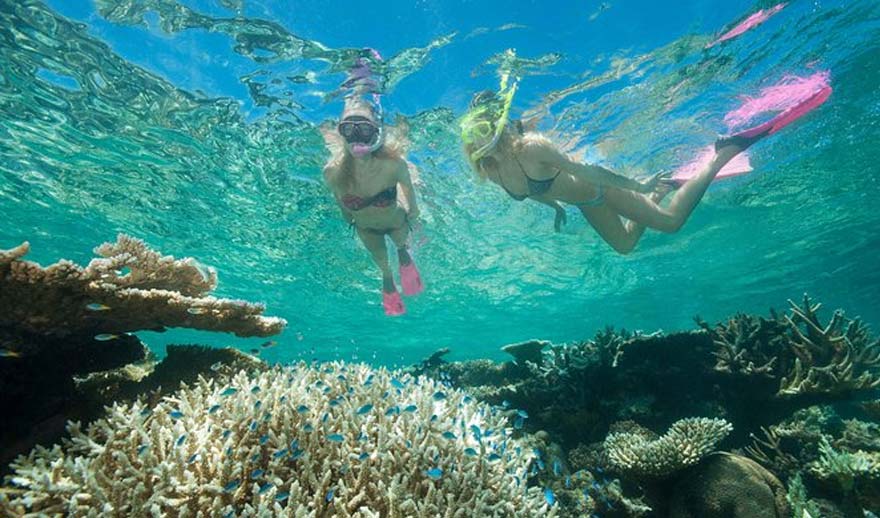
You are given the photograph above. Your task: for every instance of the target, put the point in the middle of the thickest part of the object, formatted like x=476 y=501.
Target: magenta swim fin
x=392 y=303
x=410 y=279
x=738 y=165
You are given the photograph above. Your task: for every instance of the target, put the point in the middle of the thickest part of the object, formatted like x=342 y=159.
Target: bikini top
x=381 y=199
x=535 y=187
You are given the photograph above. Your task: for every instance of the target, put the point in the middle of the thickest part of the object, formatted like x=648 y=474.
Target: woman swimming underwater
x=364 y=175
x=529 y=166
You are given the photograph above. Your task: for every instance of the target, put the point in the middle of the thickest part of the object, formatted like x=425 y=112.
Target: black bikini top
x=535 y=187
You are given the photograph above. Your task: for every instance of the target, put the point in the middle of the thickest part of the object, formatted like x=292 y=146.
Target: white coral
x=335 y=440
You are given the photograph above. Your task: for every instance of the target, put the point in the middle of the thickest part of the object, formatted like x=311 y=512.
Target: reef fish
x=232 y=486
x=335 y=437
x=329 y=496
x=470 y=452
x=364 y=409
x=449 y=435
x=280 y=497
x=257 y=473
x=267 y=344
x=439 y=396
x=175 y=414
x=196 y=310
x=265 y=487
x=213 y=409
x=434 y=473
x=106 y=337
x=229 y=391
x=549 y=496
x=94 y=306
x=6 y=353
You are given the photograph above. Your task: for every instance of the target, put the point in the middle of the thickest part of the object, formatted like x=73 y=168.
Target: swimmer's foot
x=410 y=280
x=392 y=303
x=739 y=142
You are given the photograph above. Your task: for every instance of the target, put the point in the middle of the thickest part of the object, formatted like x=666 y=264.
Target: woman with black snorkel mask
x=368 y=174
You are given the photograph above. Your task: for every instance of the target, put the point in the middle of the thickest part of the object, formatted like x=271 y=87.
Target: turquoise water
x=193 y=125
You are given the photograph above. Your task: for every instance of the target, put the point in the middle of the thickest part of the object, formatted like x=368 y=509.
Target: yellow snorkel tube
x=485 y=120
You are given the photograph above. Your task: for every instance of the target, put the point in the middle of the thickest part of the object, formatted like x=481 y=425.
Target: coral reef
x=686 y=442
x=729 y=486
x=129 y=288
x=805 y=357
x=325 y=440
x=528 y=351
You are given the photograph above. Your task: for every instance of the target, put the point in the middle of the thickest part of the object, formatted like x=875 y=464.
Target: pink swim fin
x=392 y=303
x=788 y=116
x=739 y=165
x=410 y=279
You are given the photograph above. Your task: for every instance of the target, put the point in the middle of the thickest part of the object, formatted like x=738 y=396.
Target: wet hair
x=505 y=143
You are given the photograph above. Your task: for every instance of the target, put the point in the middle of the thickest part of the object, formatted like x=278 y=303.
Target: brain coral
x=331 y=440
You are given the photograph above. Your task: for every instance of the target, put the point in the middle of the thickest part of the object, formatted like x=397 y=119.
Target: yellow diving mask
x=484 y=123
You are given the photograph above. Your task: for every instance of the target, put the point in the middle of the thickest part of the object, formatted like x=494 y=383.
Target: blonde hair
x=512 y=140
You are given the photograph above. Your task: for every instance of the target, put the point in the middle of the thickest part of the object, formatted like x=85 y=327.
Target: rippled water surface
x=193 y=125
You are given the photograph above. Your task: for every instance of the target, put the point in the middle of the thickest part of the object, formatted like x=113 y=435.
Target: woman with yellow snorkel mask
x=528 y=165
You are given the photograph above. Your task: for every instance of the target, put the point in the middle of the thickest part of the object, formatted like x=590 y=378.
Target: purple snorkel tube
x=361 y=80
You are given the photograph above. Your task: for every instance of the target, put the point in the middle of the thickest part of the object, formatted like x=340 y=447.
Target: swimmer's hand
x=561 y=218
x=650 y=185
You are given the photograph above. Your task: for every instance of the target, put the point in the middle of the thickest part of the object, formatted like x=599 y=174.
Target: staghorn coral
x=838 y=357
x=684 y=444
x=746 y=345
x=129 y=288
x=847 y=468
x=333 y=440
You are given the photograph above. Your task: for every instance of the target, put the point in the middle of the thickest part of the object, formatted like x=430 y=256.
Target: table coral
x=128 y=288
x=685 y=443
x=333 y=440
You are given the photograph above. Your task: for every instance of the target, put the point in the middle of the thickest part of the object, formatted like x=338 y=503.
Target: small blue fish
x=334 y=402
x=258 y=404
x=541 y=464
x=255 y=457
x=229 y=514
x=439 y=396
x=192 y=458
x=518 y=423
x=397 y=384
x=280 y=497
x=393 y=410
x=175 y=414
x=329 y=496
x=470 y=452
x=253 y=426
x=364 y=409
x=325 y=417
x=340 y=377
x=363 y=456
x=362 y=436
x=449 y=435
x=505 y=404
x=141 y=449
x=308 y=427
x=213 y=409
x=557 y=468
x=476 y=431
x=232 y=486
x=493 y=457
x=549 y=496
x=434 y=473
x=94 y=306
x=226 y=433
x=297 y=454
x=410 y=408
x=106 y=337
x=568 y=482
x=522 y=413
x=265 y=487
x=408 y=444
x=270 y=343
x=145 y=412
x=257 y=473
x=467 y=399
x=434 y=418
x=180 y=440
x=264 y=439
x=335 y=437
x=294 y=445
x=229 y=451
x=302 y=409
x=280 y=453
x=229 y=391
x=255 y=389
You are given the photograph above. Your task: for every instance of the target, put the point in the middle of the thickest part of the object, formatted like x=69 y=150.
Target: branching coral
x=684 y=444
x=805 y=356
x=847 y=468
x=129 y=288
x=334 y=440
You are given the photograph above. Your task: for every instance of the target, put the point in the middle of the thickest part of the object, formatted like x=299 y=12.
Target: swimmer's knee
x=624 y=247
x=670 y=225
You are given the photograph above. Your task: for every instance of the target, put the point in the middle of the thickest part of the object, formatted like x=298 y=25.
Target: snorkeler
x=364 y=175
x=527 y=165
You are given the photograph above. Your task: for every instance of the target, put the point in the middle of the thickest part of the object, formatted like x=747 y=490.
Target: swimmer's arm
x=560 y=218
x=591 y=173
x=405 y=180
x=330 y=178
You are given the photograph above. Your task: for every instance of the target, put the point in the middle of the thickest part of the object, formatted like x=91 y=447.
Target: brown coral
x=129 y=288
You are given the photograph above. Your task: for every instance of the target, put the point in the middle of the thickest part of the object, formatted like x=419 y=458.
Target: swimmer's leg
x=375 y=244
x=410 y=280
